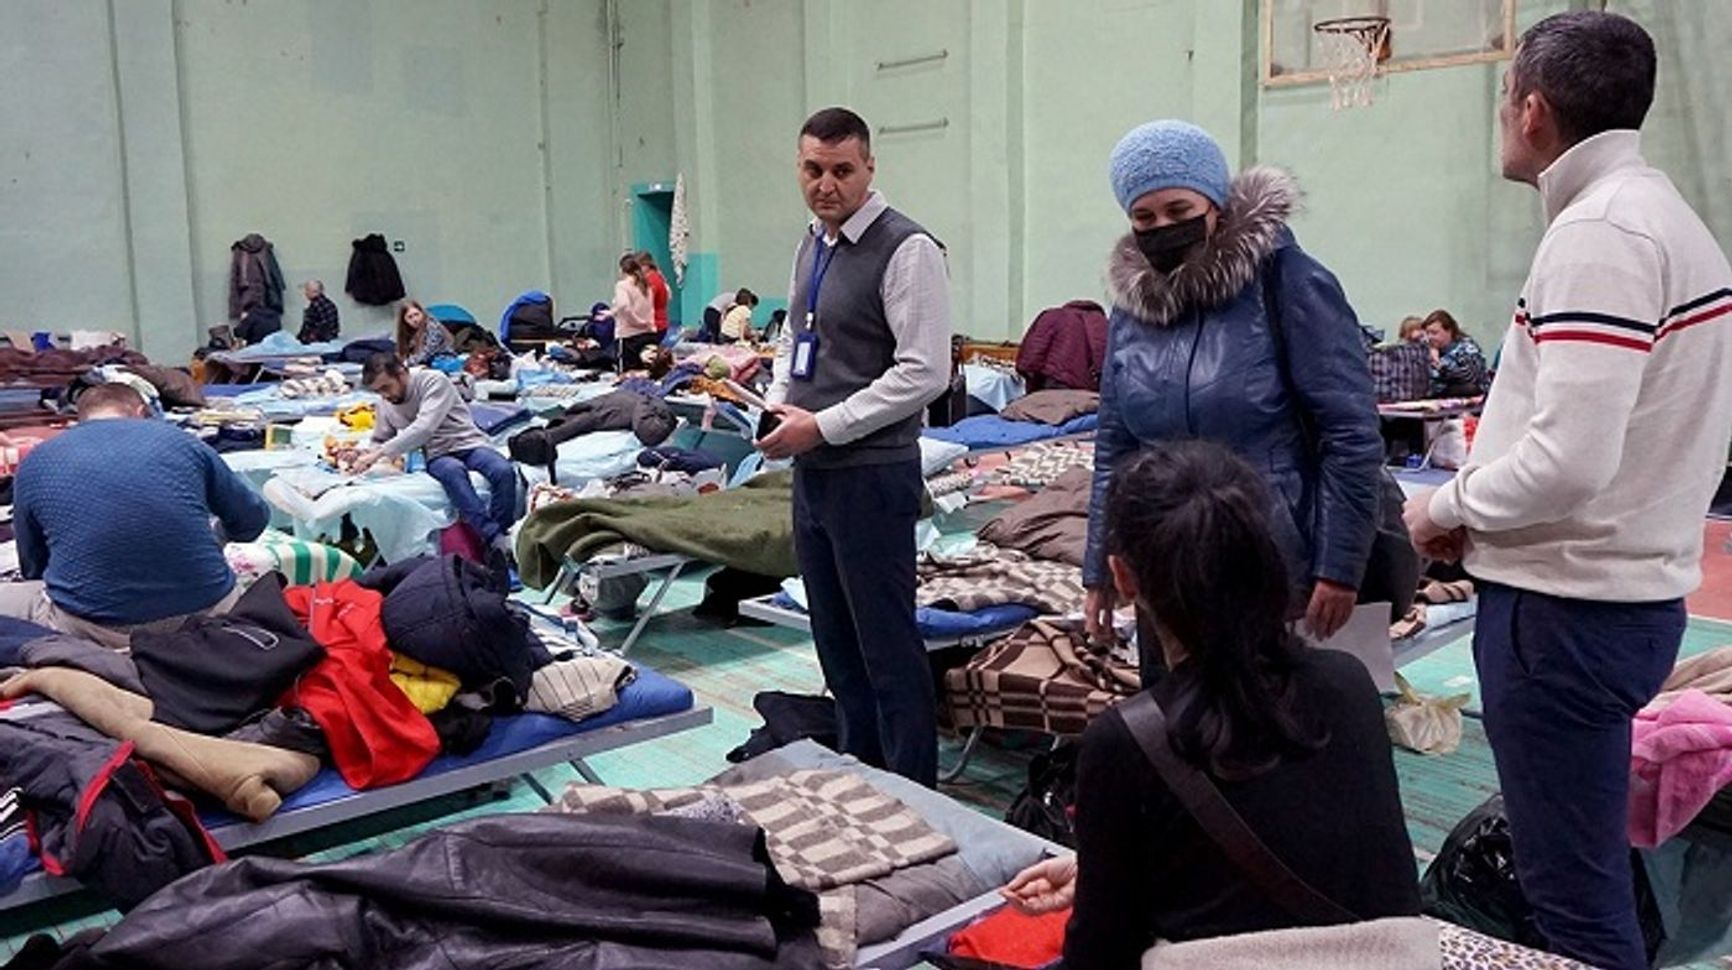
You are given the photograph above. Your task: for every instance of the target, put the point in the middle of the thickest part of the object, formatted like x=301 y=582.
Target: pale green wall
x=147 y=135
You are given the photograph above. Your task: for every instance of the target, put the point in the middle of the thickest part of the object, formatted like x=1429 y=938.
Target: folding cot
x=650 y=707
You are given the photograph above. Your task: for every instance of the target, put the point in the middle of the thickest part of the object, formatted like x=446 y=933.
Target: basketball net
x=1352 y=49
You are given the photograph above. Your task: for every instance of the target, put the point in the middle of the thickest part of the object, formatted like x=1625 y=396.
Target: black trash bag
x=724 y=591
x=1473 y=883
x=789 y=718
x=1047 y=805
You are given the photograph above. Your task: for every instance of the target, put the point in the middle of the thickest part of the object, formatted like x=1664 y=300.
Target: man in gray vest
x=866 y=349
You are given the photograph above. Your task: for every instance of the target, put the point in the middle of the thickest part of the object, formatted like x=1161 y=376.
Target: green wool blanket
x=749 y=528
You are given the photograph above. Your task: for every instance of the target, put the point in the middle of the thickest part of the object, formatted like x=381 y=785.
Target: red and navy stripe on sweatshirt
x=1615 y=331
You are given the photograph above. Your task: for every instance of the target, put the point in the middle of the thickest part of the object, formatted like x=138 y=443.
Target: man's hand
x=1431 y=539
x=1045 y=887
x=797 y=434
x=365 y=460
x=1330 y=608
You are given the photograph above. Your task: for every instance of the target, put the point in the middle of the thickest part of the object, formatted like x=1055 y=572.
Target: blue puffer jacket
x=1191 y=355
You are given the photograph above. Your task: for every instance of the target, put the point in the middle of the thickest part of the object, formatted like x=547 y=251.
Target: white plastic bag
x=1428 y=725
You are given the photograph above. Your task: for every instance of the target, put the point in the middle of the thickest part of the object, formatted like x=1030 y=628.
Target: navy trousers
x=1561 y=681
x=493 y=518
x=854 y=533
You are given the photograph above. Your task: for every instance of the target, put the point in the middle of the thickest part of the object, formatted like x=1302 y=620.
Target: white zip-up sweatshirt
x=1606 y=432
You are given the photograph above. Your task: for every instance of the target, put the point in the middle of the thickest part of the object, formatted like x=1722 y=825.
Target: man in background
x=319 y=319
x=866 y=350
x=1580 y=509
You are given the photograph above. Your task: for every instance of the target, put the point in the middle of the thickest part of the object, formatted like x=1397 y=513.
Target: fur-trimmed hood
x=1250 y=229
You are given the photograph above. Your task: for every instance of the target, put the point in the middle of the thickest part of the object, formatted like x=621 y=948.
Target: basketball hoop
x=1352 y=48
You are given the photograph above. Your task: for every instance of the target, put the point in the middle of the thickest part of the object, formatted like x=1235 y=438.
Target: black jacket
x=446 y=612
x=373 y=276
x=99 y=817
x=650 y=419
x=560 y=891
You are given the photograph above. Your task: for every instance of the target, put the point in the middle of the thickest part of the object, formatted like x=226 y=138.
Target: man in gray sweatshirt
x=422 y=409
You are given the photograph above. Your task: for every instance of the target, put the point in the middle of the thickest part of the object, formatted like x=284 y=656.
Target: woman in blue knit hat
x=1224 y=329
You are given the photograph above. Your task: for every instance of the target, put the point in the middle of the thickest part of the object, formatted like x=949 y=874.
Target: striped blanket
x=1046 y=677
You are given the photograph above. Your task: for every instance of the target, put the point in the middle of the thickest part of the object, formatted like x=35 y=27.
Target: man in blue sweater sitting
x=114 y=524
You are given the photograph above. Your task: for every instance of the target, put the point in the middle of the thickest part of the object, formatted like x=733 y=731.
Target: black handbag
x=1392 y=569
x=1046 y=806
x=1222 y=823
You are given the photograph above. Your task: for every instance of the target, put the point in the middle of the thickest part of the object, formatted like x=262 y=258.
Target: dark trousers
x=1561 y=680
x=854 y=532
x=492 y=519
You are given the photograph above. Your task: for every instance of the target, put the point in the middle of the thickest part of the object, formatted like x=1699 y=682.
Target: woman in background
x=1457 y=364
x=420 y=338
x=660 y=293
x=633 y=313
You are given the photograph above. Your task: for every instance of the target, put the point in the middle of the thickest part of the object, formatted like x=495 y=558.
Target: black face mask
x=1166 y=247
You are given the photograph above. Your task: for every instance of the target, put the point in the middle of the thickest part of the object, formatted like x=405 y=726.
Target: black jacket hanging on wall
x=373 y=276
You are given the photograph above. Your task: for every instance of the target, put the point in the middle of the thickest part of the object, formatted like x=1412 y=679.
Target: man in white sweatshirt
x=1580 y=510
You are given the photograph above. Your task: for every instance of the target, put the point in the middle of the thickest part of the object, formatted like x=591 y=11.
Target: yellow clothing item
x=429 y=688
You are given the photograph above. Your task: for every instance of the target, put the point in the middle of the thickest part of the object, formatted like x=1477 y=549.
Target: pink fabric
x=1681 y=758
x=461 y=539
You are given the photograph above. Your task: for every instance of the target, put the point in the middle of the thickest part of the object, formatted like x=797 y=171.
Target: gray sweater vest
x=855 y=344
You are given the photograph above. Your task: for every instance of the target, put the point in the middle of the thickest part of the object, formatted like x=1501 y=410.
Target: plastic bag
x=1428 y=725
x=1472 y=883
x=1449 y=448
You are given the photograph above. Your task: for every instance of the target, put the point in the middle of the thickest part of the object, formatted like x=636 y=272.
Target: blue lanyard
x=820 y=266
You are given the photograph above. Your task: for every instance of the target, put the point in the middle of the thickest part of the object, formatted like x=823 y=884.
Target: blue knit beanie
x=1165 y=155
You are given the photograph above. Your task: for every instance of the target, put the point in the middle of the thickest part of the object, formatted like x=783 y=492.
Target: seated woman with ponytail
x=1292 y=736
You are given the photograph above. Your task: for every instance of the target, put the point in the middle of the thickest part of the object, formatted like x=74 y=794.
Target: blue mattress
x=227 y=390
x=992 y=431
x=936 y=624
x=650 y=695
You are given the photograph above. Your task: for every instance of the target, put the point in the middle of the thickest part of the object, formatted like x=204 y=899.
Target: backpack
x=1046 y=806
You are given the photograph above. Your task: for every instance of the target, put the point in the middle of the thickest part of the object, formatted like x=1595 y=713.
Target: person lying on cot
x=114 y=524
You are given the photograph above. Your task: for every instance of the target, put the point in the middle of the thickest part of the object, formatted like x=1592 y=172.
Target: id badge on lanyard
x=805 y=361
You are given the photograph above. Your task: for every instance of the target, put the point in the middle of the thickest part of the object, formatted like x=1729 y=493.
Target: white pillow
x=936 y=456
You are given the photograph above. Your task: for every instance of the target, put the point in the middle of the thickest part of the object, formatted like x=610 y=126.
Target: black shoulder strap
x=1148 y=725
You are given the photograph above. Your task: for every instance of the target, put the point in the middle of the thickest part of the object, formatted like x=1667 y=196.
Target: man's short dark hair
x=110 y=397
x=833 y=125
x=380 y=364
x=1595 y=69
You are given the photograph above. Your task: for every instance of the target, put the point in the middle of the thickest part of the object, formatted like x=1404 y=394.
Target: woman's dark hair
x=1191 y=521
x=1447 y=322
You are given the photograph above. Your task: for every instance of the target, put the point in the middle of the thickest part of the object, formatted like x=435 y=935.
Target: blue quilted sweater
x=115 y=516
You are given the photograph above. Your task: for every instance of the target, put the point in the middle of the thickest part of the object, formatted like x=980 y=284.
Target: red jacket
x=376 y=734
x=1065 y=347
x=659 y=296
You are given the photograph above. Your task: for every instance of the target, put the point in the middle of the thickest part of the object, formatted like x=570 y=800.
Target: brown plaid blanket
x=826 y=831
x=1045 y=677
x=990 y=576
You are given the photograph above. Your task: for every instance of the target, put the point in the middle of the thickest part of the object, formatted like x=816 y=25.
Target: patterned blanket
x=1040 y=465
x=827 y=831
x=990 y=576
x=1046 y=677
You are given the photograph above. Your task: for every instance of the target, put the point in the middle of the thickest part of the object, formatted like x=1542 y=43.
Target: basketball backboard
x=1422 y=34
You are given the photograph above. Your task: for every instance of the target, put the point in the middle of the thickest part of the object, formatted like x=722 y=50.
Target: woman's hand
x=1047 y=886
x=1330 y=608
x=1098 y=607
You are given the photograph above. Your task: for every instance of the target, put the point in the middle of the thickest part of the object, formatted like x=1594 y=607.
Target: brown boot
x=250 y=779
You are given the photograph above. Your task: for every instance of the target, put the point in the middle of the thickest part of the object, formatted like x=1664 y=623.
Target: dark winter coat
x=1191 y=355
x=1065 y=347
x=254 y=277
x=373 y=276
x=445 y=612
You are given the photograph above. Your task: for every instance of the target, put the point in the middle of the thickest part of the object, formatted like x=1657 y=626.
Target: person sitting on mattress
x=113 y=521
x=1292 y=736
x=422 y=409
